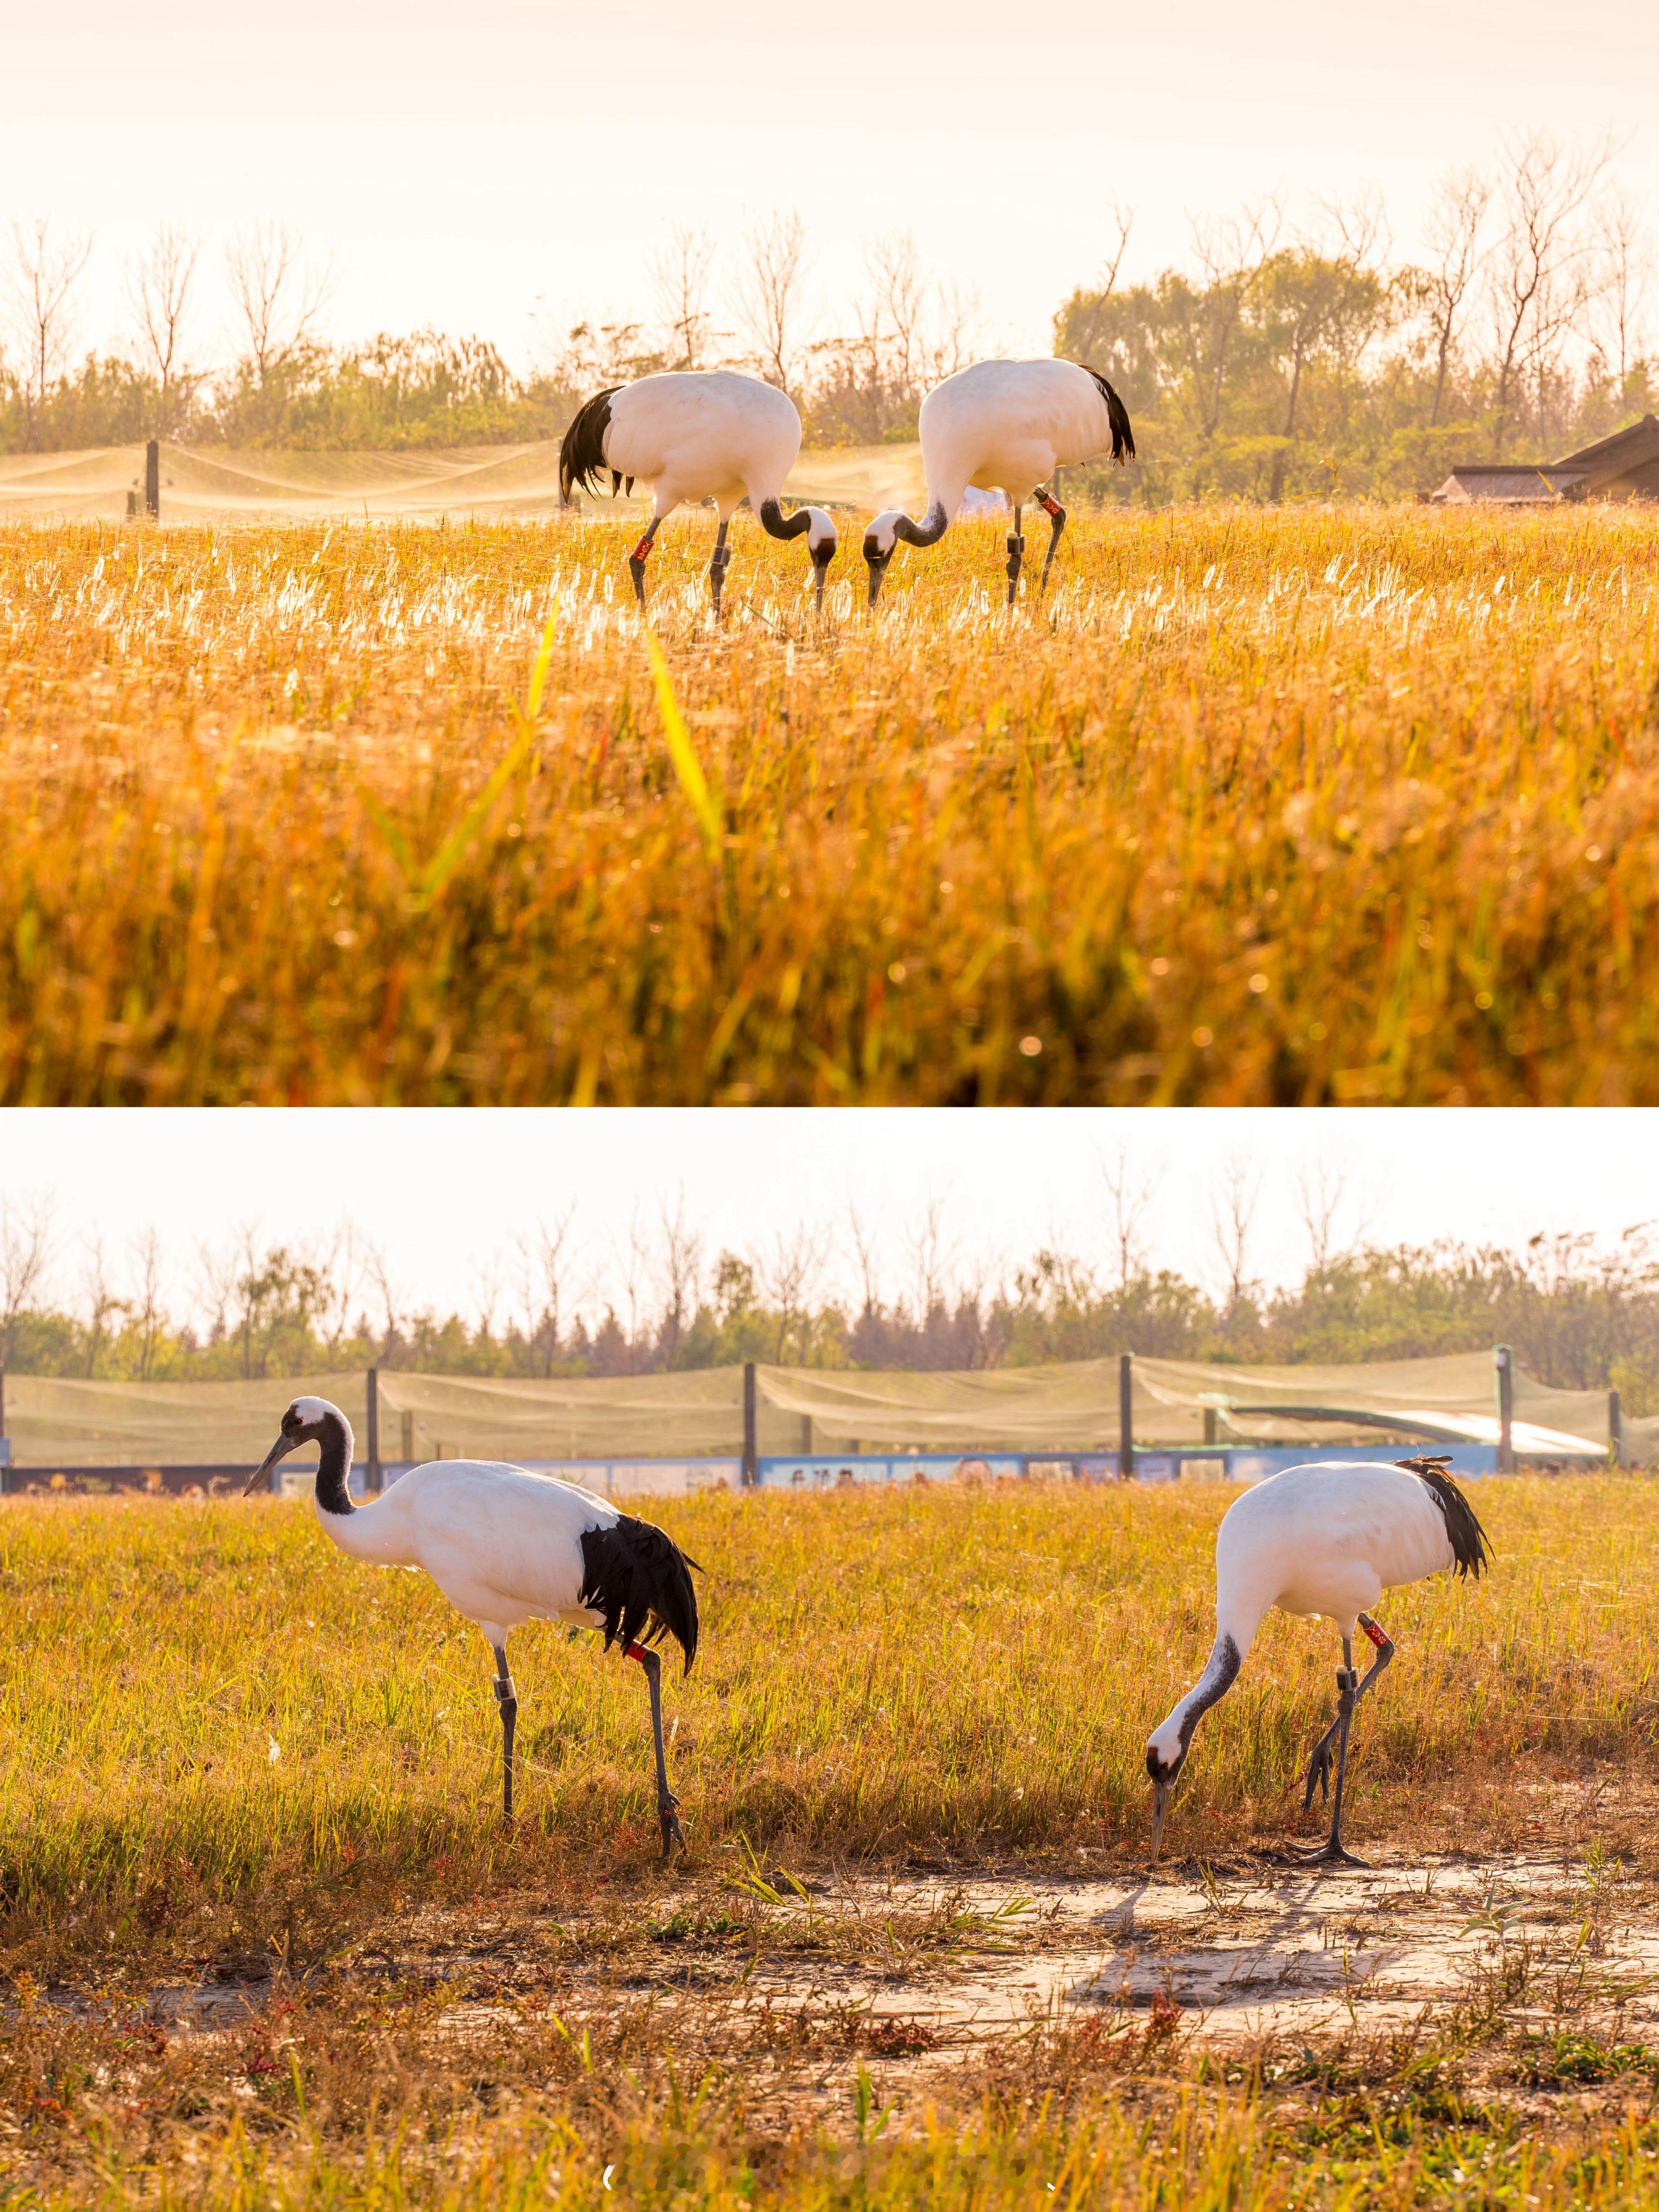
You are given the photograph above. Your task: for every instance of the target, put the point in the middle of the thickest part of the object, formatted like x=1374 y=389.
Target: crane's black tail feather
x=1123 y=438
x=1471 y=1545
x=581 y=454
x=641 y=1581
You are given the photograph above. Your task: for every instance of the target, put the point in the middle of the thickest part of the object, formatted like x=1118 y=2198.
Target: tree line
x=1288 y=358
x=1580 y=1315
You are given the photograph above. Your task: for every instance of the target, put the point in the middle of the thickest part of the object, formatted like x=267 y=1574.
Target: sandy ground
x=486 y=483
x=928 y=1971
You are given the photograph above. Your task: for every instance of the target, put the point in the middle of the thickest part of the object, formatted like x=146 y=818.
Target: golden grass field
x=233 y=1761
x=1336 y=804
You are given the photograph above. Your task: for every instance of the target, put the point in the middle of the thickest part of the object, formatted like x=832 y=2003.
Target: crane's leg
x=637 y=558
x=1016 y=555
x=506 y=1698
x=1056 y=514
x=667 y=1802
x=1331 y=1852
x=1319 y=1766
x=718 y=565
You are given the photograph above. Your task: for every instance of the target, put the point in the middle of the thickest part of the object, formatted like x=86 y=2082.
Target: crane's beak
x=280 y=1449
x=822 y=555
x=1160 y=1807
x=878 y=565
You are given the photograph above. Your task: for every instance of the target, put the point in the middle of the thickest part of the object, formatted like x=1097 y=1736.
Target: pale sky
x=441 y=1190
x=464 y=165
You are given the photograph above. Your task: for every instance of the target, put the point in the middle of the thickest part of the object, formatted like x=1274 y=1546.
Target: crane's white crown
x=822 y=530
x=1165 y=1742
x=310 y=1412
x=882 y=535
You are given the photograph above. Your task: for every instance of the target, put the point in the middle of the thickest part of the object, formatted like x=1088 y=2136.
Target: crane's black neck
x=776 y=524
x=928 y=532
x=1212 y=1685
x=334 y=1467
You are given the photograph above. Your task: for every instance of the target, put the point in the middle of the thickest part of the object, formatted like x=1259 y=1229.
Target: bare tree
x=1123 y=219
x=682 y=1270
x=103 y=1303
x=789 y=1275
x=26 y=1246
x=930 y=1252
x=1232 y=1212
x=1540 y=269
x=158 y=288
x=679 y=276
x=767 y=295
x=149 y=1315
x=214 y=1272
x=632 y=1259
x=278 y=295
x=377 y=1276
x=899 y=303
x=1626 y=259
x=864 y=1250
x=1230 y=257
x=342 y=1273
x=545 y=1255
x=1322 y=1189
x=1453 y=234
x=1131 y=1190
x=39 y=293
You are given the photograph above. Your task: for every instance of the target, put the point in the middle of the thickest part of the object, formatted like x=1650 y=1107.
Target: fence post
x=1504 y=1360
x=751 y=1459
x=5 y=1456
x=1615 y=1428
x=1126 y=1416
x=375 y=1480
x=153 y=480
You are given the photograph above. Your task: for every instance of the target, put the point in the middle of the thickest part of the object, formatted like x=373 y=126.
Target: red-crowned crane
x=697 y=433
x=505 y=1546
x=1327 y=1539
x=1004 y=426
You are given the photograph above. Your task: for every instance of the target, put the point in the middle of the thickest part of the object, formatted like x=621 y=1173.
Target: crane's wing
x=640 y=1580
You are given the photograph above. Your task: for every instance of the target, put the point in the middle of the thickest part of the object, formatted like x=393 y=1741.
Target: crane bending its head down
x=697 y=435
x=1325 y=1539
x=506 y=1545
x=1004 y=426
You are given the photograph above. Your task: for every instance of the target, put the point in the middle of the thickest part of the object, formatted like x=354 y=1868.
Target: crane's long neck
x=334 y=1470
x=1220 y=1671
x=931 y=527
x=776 y=524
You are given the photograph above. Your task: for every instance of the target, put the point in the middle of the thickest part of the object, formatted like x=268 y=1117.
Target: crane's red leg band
x=1051 y=505
x=1374 y=1632
x=642 y=548
x=637 y=1651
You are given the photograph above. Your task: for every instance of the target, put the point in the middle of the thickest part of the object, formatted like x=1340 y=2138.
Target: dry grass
x=952 y=1678
x=1334 y=804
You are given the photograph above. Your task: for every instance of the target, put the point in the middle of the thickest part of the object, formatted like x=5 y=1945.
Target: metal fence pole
x=376 y=1481
x=751 y=1456
x=1504 y=1361
x=153 y=480
x=1126 y=1416
x=1615 y=1428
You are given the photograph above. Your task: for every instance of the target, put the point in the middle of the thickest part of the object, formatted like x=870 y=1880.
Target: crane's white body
x=708 y=434
x=1002 y=426
x=503 y=1545
x=1325 y=1539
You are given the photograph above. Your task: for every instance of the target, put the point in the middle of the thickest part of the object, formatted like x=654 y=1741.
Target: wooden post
x=5 y=1458
x=153 y=480
x=1504 y=1360
x=1211 y=1428
x=1615 y=1428
x=375 y=1480
x=1126 y=1416
x=751 y=1473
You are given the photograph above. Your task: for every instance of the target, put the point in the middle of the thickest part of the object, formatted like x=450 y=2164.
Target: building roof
x=1511 y=484
x=1623 y=466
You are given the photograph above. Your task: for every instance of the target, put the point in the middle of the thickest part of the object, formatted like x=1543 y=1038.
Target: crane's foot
x=672 y=1833
x=1329 y=1854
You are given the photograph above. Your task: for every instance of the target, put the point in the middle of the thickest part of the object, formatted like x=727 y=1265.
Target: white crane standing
x=697 y=433
x=505 y=1546
x=1326 y=1539
x=1004 y=426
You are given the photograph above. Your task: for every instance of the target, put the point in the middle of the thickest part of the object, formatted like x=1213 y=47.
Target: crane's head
x=821 y=545
x=1166 y=1755
x=880 y=536
x=305 y=1423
